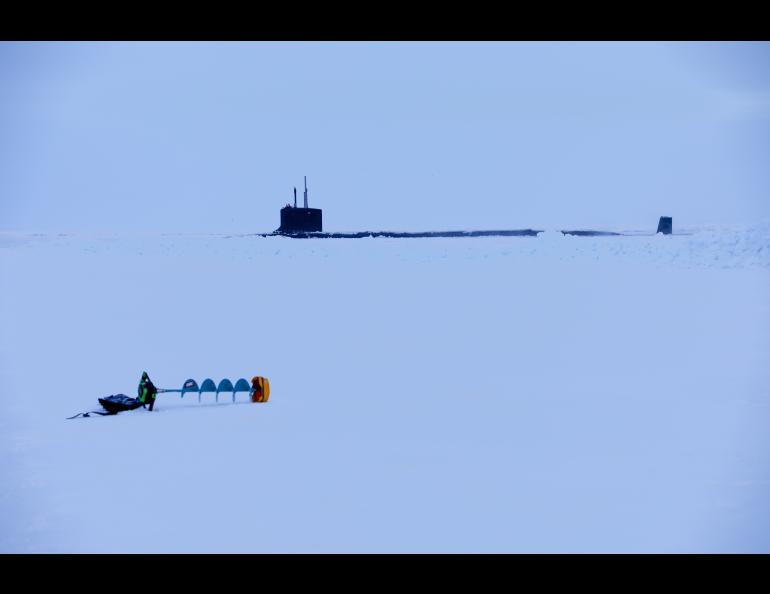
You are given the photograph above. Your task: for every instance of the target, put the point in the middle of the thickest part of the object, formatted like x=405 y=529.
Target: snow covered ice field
x=549 y=394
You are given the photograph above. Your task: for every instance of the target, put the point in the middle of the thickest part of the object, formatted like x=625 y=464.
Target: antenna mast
x=306 y=191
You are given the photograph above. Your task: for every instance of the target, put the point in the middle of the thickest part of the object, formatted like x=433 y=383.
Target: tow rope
x=92 y=412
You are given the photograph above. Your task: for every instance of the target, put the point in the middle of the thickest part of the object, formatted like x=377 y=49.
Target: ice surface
x=467 y=395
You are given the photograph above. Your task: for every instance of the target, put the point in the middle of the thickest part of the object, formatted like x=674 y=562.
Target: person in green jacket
x=147 y=391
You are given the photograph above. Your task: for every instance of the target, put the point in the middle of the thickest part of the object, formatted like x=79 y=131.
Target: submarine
x=305 y=223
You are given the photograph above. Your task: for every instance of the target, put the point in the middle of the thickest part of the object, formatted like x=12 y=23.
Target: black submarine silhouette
x=305 y=222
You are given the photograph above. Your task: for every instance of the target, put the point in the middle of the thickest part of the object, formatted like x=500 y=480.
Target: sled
x=118 y=403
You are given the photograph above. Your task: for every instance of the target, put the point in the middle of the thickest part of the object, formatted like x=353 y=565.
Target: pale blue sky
x=178 y=137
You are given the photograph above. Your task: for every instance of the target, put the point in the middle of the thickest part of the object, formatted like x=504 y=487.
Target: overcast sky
x=197 y=137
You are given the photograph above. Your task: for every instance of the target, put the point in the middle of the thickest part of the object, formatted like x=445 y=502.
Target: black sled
x=113 y=405
x=118 y=403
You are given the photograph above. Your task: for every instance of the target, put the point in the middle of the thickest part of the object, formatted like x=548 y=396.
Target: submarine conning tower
x=300 y=220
